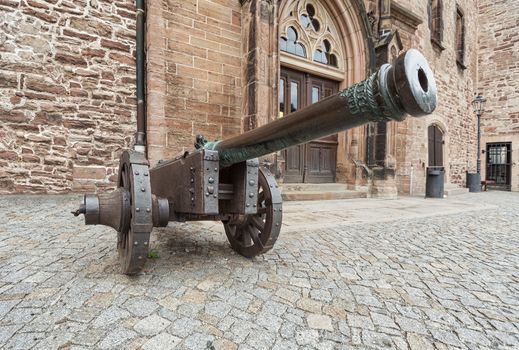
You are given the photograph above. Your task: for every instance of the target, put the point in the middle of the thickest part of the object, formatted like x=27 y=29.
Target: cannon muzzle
x=407 y=87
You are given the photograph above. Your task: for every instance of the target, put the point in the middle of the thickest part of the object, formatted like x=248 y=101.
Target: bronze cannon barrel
x=406 y=87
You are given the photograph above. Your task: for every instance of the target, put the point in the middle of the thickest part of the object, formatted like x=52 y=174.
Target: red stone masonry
x=67 y=81
x=498 y=77
x=194 y=73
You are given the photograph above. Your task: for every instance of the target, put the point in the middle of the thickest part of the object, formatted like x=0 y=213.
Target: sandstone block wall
x=195 y=73
x=454 y=114
x=67 y=104
x=499 y=77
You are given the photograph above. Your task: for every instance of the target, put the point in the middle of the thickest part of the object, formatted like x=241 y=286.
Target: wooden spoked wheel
x=134 y=235
x=254 y=234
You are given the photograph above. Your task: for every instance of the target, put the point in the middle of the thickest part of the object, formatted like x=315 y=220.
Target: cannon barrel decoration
x=223 y=180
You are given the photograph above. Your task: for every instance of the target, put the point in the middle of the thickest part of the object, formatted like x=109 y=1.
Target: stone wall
x=499 y=77
x=66 y=93
x=195 y=73
x=67 y=105
x=456 y=86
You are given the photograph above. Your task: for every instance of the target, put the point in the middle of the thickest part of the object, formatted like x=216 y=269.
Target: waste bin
x=474 y=182
x=434 y=182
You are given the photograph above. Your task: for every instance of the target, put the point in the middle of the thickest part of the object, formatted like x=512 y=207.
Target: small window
x=290 y=43
x=294 y=96
x=323 y=55
x=435 y=18
x=281 y=98
x=460 y=38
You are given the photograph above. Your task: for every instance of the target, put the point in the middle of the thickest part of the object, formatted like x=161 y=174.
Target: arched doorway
x=435 y=145
x=322 y=48
x=312 y=67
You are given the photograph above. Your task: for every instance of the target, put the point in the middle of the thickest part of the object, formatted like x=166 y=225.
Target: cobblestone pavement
x=421 y=282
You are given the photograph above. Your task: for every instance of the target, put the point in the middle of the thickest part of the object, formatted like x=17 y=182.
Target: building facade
x=498 y=81
x=219 y=68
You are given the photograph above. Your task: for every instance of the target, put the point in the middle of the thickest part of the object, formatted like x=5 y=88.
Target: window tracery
x=308 y=31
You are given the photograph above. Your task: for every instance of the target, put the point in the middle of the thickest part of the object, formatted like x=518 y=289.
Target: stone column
x=261 y=65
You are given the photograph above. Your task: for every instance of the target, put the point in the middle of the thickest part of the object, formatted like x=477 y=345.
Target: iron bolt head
x=137 y=209
x=252 y=182
x=251 y=194
x=136 y=243
x=146 y=174
x=143 y=189
x=210 y=180
x=148 y=210
x=136 y=173
x=247 y=205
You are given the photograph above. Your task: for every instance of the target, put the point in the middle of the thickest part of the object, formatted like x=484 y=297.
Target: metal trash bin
x=474 y=182
x=434 y=182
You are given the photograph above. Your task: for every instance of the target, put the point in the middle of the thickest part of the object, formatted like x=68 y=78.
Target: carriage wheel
x=254 y=234
x=133 y=238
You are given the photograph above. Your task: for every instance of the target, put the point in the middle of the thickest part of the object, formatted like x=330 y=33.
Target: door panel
x=293 y=95
x=435 y=146
x=324 y=150
x=316 y=160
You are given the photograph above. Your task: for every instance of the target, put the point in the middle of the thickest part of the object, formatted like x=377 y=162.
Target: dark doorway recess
x=316 y=161
x=435 y=146
x=499 y=166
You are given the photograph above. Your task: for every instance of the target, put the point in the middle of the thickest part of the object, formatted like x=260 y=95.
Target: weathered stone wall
x=454 y=114
x=66 y=93
x=499 y=77
x=195 y=73
x=67 y=104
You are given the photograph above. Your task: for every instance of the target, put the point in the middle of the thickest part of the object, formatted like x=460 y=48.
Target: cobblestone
x=403 y=274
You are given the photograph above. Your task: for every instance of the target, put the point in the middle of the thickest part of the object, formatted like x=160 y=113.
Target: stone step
x=454 y=190
x=316 y=192
x=288 y=187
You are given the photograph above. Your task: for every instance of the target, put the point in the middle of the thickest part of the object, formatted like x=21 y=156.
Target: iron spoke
x=255 y=237
x=258 y=223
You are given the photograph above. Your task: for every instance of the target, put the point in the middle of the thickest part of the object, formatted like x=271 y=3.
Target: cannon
x=224 y=180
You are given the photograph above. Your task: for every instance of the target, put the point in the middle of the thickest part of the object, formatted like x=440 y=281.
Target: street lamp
x=478 y=104
x=474 y=180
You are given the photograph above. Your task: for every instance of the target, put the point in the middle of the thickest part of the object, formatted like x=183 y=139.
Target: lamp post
x=478 y=104
x=474 y=180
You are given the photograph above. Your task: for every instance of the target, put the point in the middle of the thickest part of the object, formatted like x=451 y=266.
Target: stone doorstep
x=454 y=190
x=314 y=192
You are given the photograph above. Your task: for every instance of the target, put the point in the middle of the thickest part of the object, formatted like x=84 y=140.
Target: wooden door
x=435 y=146
x=314 y=162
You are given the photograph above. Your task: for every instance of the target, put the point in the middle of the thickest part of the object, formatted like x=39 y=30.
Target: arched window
x=309 y=31
x=290 y=43
x=323 y=54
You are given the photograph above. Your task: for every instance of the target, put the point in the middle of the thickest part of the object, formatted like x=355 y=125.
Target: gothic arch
x=353 y=35
x=442 y=126
x=353 y=38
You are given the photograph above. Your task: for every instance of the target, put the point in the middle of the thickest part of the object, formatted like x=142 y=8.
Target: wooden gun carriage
x=224 y=180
